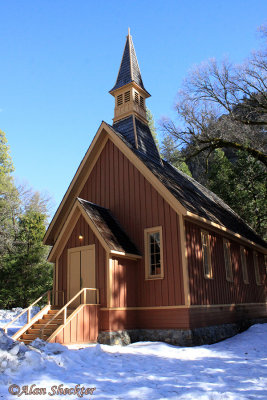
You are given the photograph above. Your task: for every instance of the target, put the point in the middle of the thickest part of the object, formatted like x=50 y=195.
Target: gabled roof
x=103 y=224
x=195 y=198
x=183 y=193
x=109 y=228
x=129 y=69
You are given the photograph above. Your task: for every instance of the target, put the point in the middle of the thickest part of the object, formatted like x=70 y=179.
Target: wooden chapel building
x=168 y=258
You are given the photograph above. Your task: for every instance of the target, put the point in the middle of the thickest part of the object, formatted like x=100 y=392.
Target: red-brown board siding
x=123 y=282
x=207 y=316
x=180 y=318
x=218 y=290
x=115 y=183
x=117 y=320
x=82 y=228
x=82 y=328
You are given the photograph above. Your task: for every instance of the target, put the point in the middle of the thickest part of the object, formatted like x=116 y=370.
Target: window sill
x=153 y=278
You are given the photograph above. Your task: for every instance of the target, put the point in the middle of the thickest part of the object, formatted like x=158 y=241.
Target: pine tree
x=24 y=271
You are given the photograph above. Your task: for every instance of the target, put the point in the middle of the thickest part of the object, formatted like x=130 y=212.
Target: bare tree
x=223 y=106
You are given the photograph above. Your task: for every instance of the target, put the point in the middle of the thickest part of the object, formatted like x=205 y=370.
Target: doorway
x=81 y=273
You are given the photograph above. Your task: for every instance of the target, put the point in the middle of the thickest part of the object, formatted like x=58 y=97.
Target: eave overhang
x=76 y=212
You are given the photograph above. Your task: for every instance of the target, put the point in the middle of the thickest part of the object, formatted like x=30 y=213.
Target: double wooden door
x=81 y=273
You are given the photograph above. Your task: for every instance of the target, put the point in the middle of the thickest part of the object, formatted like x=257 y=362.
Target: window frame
x=256 y=268
x=244 y=264
x=127 y=96
x=147 y=233
x=205 y=234
x=228 y=260
x=120 y=99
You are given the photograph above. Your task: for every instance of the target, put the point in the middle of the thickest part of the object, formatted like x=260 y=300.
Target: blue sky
x=60 y=58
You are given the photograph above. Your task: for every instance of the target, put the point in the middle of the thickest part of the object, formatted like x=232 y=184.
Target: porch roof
x=109 y=228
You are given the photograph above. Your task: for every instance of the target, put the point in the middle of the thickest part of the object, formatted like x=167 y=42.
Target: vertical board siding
x=82 y=328
x=218 y=290
x=82 y=227
x=123 y=292
x=115 y=183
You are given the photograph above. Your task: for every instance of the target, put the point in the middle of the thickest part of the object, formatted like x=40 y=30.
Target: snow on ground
x=232 y=369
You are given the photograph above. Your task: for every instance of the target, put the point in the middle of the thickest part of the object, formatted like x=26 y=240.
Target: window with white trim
x=154 y=253
x=227 y=260
x=243 y=256
x=206 y=257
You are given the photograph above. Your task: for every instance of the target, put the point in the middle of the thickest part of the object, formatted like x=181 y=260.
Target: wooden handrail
x=64 y=308
x=28 y=309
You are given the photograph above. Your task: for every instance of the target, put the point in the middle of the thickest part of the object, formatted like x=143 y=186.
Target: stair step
x=27 y=336
x=39 y=326
x=44 y=321
x=33 y=331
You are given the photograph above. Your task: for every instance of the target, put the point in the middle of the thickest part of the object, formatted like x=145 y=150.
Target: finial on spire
x=129 y=34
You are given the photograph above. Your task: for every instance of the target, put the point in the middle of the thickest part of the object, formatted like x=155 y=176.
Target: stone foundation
x=178 y=337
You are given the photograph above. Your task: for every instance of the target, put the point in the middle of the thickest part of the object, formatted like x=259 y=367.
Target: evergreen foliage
x=24 y=272
x=151 y=124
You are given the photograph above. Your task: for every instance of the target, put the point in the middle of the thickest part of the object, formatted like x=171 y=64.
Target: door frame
x=72 y=250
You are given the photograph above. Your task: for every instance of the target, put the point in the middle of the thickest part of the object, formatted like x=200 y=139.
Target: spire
x=129 y=69
x=129 y=91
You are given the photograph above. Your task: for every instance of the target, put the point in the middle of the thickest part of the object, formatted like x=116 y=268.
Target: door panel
x=82 y=273
x=88 y=273
x=74 y=276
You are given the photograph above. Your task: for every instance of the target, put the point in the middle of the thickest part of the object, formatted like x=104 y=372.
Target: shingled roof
x=109 y=228
x=145 y=141
x=129 y=69
x=191 y=194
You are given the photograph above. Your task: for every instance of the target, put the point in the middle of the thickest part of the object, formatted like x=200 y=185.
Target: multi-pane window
x=119 y=100
x=206 y=254
x=227 y=260
x=256 y=267
x=153 y=250
x=243 y=256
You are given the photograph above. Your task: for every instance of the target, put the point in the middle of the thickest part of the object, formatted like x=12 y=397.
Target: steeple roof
x=129 y=69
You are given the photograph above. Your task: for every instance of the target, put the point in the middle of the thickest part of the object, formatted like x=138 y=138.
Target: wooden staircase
x=34 y=331
x=51 y=319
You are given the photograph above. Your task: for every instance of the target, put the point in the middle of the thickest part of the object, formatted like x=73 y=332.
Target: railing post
x=64 y=315
x=84 y=296
x=97 y=296
x=48 y=297
x=29 y=315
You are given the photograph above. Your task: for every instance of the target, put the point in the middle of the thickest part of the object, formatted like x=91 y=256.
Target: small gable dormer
x=129 y=91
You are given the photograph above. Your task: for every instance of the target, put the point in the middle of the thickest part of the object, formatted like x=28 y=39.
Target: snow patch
x=233 y=369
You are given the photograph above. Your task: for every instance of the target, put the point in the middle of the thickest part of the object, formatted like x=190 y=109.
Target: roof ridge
x=93 y=204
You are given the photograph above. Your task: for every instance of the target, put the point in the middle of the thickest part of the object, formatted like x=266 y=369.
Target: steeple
x=129 y=90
